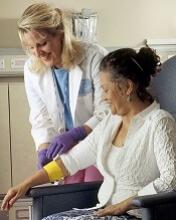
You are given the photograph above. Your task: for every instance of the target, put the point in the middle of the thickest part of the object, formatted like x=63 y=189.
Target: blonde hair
x=43 y=17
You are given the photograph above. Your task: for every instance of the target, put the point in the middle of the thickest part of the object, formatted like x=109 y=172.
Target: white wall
x=120 y=22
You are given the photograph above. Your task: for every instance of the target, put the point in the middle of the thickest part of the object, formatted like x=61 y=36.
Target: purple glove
x=63 y=142
x=42 y=159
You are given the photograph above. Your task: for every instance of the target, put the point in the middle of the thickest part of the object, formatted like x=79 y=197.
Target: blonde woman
x=62 y=84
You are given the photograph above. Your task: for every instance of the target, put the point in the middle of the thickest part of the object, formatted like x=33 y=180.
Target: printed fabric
x=86 y=215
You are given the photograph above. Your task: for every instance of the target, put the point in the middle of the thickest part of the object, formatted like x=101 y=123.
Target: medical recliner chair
x=162 y=206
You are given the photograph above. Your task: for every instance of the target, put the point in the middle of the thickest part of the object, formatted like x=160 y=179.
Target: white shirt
x=149 y=160
x=115 y=159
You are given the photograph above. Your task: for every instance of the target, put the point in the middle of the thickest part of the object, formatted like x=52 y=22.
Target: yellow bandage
x=54 y=171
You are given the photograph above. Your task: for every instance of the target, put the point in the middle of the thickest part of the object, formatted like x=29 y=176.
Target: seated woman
x=134 y=147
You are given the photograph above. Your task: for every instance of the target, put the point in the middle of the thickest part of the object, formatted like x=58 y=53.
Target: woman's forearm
x=38 y=178
x=42 y=176
x=45 y=175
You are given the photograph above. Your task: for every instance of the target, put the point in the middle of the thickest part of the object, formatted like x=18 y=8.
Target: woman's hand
x=64 y=142
x=118 y=209
x=42 y=158
x=13 y=194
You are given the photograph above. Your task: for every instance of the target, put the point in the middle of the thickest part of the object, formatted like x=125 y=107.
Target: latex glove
x=64 y=142
x=42 y=158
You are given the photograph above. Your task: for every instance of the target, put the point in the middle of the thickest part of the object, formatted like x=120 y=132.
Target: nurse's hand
x=64 y=142
x=117 y=209
x=42 y=158
x=13 y=195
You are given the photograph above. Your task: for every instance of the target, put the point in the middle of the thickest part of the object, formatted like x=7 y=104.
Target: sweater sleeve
x=83 y=154
x=165 y=153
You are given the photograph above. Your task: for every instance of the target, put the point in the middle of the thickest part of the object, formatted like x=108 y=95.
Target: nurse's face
x=114 y=94
x=46 y=47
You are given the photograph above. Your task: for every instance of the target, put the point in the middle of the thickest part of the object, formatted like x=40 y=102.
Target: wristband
x=54 y=171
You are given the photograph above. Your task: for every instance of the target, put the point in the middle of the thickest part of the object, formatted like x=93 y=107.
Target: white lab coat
x=46 y=109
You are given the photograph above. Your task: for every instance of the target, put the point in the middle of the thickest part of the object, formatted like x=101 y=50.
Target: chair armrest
x=155 y=200
x=62 y=189
x=52 y=199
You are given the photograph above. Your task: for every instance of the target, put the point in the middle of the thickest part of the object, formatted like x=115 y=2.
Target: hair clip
x=137 y=64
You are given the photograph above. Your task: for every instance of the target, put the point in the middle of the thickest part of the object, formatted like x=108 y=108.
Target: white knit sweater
x=149 y=155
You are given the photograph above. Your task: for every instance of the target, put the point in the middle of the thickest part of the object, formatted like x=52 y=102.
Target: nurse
x=62 y=85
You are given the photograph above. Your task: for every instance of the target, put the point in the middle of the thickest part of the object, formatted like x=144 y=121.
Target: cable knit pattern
x=147 y=160
x=165 y=141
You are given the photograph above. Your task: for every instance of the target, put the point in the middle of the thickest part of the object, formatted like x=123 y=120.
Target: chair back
x=163 y=86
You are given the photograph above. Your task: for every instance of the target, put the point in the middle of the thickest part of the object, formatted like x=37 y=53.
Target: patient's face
x=113 y=94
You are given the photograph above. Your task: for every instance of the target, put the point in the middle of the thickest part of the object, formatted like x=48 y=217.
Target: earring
x=129 y=98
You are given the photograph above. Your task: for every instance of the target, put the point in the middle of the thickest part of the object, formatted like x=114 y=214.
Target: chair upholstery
x=162 y=206
x=163 y=86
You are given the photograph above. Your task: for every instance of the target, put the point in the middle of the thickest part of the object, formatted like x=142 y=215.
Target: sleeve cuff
x=147 y=190
x=92 y=122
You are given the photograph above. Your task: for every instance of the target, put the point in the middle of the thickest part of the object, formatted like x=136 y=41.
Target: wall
x=120 y=22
